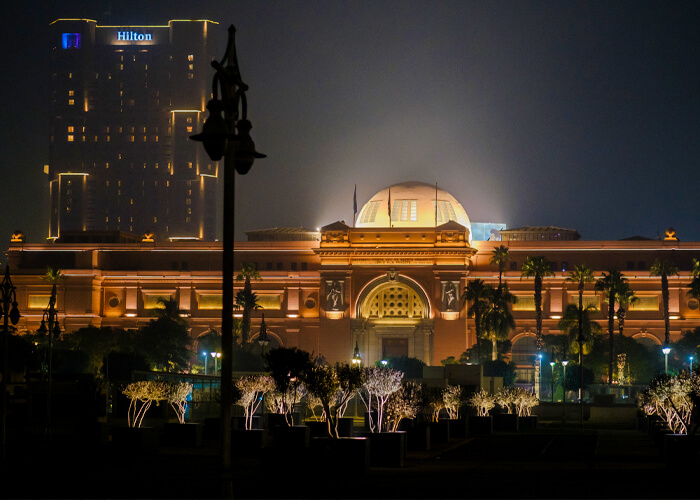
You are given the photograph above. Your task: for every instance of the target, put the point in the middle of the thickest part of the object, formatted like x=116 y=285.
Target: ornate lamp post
x=9 y=298
x=356 y=358
x=53 y=331
x=228 y=136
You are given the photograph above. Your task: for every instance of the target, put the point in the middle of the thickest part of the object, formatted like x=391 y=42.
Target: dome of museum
x=413 y=204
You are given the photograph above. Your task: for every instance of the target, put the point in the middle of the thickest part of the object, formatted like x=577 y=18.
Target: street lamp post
x=564 y=362
x=666 y=350
x=228 y=136
x=205 y=354
x=216 y=356
x=53 y=330
x=691 y=364
x=9 y=298
x=551 y=363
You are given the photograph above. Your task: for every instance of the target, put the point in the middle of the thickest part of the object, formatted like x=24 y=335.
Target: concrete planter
x=458 y=428
x=682 y=451
x=346 y=427
x=527 y=424
x=338 y=459
x=440 y=432
x=248 y=442
x=291 y=438
x=479 y=425
x=418 y=437
x=387 y=449
x=239 y=422
x=187 y=435
x=135 y=440
x=505 y=422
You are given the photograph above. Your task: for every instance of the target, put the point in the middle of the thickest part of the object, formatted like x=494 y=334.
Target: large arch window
x=393 y=300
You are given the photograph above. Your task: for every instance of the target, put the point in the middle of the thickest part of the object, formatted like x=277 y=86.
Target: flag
x=354 y=206
x=354 y=201
x=388 y=207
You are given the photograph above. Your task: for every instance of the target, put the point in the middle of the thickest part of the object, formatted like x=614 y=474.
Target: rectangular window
x=404 y=210
x=150 y=300
x=38 y=301
x=293 y=266
x=209 y=301
x=524 y=303
x=70 y=40
x=269 y=301
x=645 y=303
x=71 y=102
x=304 y=266
x=70 y=138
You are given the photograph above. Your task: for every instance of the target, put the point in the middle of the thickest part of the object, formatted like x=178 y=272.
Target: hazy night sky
x=582 y=115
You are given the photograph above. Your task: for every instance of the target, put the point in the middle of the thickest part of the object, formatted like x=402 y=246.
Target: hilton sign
x=132 y=36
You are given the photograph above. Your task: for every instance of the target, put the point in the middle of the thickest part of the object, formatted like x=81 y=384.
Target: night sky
x=584 y=115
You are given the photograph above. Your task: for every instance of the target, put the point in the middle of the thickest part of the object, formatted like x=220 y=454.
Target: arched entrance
x=393 y=319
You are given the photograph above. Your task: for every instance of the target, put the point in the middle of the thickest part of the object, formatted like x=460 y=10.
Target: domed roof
x=412 y=205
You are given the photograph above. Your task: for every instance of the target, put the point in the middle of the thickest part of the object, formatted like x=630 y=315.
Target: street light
x=53 y=330
x=9 y=298
x=228 y=137
x=666 y=350
x=216 y=356
x=205 y=361
x=691 y=364
x=384 y=362
x=356 y=358
x=551 y=363
x=564 y=362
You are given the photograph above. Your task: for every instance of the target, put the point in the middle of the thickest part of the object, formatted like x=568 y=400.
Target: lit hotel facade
x=124 y=100
x=390 y=285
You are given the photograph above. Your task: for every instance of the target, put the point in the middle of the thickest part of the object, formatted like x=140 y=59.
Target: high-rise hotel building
x=124 y=101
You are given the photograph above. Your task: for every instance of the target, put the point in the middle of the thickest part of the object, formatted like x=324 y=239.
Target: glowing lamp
x=666 y=350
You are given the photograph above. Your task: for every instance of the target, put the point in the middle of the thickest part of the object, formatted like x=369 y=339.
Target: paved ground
x=554 y=462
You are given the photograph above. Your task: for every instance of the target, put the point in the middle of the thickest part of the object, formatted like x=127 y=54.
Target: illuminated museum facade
x=391 y=285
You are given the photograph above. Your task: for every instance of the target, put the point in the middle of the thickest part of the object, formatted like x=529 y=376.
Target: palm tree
x=246 y=298
x=695 y=284
x=665 y=268
x=581 y=275
x=497 y=319
x=625 y=297
x=611 y=284
x=477 y=292
x=537 y=267
x=581 y=333
x=500 y=257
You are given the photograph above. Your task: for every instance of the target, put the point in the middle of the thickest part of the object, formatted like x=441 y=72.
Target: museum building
x=390 y=285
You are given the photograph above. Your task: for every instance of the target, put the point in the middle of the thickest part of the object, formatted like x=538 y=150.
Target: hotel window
x=304 y=266
x=189 y=164
x=293 y=266
x=189 y=129
x=191 y=67
x=190 y=57
x=70 y=129
x=71 y=102
x=404 y=210
x=189 y=119
x=71 y=93
x=190 y=76
x=70 y=138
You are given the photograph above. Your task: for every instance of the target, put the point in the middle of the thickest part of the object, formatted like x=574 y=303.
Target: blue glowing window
x=71 y=40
